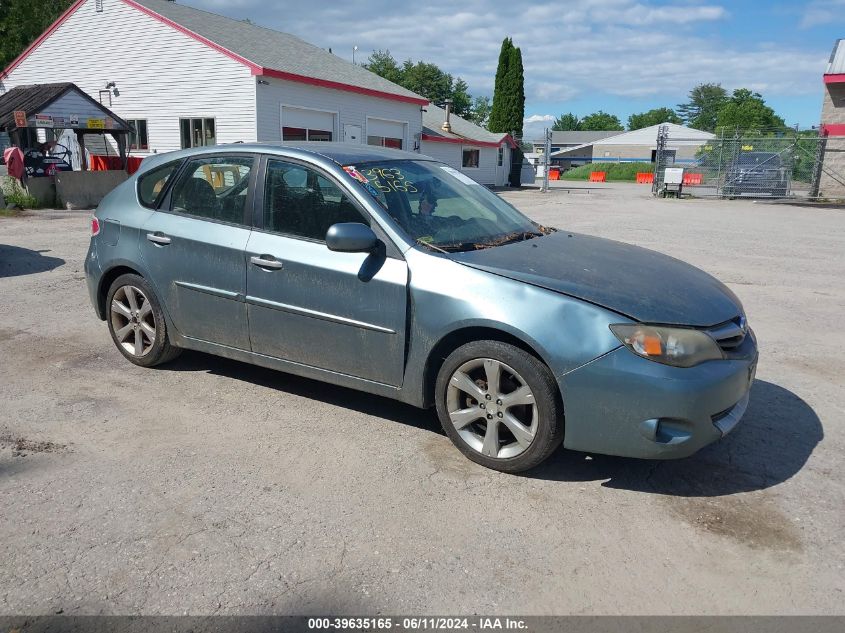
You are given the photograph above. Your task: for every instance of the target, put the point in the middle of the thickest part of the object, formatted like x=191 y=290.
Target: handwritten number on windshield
x=387 y=179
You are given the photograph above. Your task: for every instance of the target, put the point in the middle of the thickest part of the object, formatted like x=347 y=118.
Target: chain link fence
x=737 y=164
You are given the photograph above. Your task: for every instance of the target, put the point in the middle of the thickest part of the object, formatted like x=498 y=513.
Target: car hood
x=639 y=283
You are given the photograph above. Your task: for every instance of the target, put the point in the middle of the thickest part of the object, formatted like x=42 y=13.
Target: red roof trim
x=270 y=72
x=189 y=33
x=325 y=83
x=462 y=141
x=835 y=79
x=59 y=21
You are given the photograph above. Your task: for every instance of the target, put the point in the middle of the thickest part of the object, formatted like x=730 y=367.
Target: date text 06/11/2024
x=422 y=623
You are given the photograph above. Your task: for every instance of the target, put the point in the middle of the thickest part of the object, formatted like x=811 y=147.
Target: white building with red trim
x=482 y=155
x=185 y=77
x=832 y=176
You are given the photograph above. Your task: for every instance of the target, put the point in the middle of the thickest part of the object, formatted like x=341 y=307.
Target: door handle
x=158 y=238
x=266 y=261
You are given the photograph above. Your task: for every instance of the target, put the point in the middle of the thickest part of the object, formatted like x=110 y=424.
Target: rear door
x=343 y=312
x=193 y=247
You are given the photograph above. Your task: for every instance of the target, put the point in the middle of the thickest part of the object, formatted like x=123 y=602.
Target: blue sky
x=621 y=56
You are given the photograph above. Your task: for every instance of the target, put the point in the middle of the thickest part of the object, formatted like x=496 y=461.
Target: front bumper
x=622 y=404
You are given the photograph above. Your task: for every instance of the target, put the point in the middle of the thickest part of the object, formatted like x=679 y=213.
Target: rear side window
x=151 y=184
x=215 y=188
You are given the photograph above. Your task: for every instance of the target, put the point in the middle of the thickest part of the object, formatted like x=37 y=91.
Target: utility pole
x=547 y=149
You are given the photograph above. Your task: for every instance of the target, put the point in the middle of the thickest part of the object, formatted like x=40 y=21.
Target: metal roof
x=271 y=49
x=647 y=136
x=36 y=98
x=433 y=118
x=576 y=137
x=836 y=64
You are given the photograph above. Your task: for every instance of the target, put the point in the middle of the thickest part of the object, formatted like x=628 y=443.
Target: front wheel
x=499 y=405
x=136 y=322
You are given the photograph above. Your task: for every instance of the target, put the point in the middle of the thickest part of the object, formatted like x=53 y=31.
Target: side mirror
x=351 y=237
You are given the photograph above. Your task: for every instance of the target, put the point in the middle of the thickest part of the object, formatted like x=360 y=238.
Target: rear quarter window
x=151 y=184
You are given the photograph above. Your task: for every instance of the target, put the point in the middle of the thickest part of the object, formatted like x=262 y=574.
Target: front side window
x=151 y=184
x=438 y=206
x=138 y=134
x=302 y=202
x=470 y=158
x=198 y=132
x=501 y=156
x=215 y=188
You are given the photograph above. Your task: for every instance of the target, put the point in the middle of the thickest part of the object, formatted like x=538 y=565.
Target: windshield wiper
x=510 y=238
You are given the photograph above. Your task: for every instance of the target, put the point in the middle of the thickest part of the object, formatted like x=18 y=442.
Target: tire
x=133 y=311
x=524 y=434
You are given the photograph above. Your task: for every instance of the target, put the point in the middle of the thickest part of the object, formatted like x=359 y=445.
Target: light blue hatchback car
x=395 y=274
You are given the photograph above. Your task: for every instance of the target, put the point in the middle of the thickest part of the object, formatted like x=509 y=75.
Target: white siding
x=161 y=73
x=487 y=172
x=351 y=108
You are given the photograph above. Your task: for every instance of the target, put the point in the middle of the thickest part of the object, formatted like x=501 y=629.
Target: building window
x=470 y=158
x=105 y=97
x=138 y=136
x=500 y=159
x=197 y=132
x=385 y=141
x=305 y=134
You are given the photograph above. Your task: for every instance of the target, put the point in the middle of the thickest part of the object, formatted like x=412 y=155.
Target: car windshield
x=440 y=207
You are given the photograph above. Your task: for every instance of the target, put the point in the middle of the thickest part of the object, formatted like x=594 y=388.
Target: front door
x=351 y=133
x=194 y=249
x=343 y=312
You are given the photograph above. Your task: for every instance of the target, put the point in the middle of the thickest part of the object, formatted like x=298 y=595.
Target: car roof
x=341 y=153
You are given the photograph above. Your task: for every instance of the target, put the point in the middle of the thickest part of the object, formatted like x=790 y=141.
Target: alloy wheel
x=492 y=408
x=132 y=320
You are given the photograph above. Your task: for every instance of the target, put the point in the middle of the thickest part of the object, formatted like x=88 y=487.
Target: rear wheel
x=136 y=322
x=499 y=405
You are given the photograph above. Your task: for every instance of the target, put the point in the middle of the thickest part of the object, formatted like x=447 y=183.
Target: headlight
x=669 y=345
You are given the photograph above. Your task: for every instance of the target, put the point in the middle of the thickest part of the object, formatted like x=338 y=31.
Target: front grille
x=729 y=335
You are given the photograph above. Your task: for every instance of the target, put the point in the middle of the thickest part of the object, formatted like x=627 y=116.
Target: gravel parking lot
x=209 y=486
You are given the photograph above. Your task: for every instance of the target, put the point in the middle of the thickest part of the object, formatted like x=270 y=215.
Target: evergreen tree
x=568 y=122
x=509 y=91
x=702 y=109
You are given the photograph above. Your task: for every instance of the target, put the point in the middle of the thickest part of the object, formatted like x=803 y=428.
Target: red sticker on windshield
x=357 y=175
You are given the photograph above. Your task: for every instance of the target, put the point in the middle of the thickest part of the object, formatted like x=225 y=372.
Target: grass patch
x=15 y=194
x=626 y=172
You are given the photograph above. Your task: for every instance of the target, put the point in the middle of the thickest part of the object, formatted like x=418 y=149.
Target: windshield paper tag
x=460 y=176
x=357 y=175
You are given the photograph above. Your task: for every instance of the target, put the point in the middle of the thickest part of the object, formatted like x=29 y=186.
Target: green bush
x=615 y=171
x=14 y=193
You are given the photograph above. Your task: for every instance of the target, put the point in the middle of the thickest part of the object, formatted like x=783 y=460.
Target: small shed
x=56 y=108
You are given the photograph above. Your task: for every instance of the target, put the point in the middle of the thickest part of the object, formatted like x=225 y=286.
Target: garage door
x=385 y=133
x=300 y=124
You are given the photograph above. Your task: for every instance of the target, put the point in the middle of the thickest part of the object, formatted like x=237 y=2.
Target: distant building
x=832 y=180
x=638 y=146
x=570 y=139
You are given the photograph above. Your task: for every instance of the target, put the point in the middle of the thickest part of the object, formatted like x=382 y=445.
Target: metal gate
x=737 y=164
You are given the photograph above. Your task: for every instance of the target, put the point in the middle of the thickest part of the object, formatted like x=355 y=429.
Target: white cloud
x=576 y=49
x=822 y=12
x=539 y=118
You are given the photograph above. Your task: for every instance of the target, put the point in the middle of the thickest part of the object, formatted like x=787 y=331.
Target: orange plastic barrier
x=554 y=173
x=112 y=163
x=645 y=178
x=692 y=179
x=598 y=176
